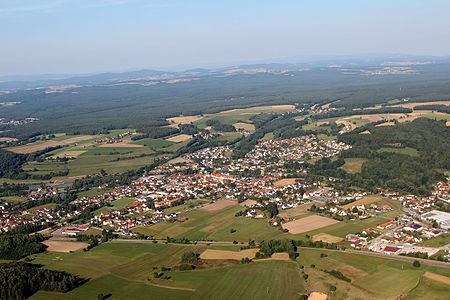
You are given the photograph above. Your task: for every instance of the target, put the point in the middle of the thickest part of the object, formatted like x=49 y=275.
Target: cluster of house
x=113 y=139
x=9 y=219
x=269 y=157
x=394 y=237
x=17 y=122
x=420 y=205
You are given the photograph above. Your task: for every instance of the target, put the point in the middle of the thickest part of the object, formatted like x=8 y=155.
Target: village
x=260 y=178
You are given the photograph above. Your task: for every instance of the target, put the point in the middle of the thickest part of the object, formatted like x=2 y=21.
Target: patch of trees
x=112 y=180
x=423 y=255
x=11 y=163
x=154 y=132
x=271 y=209
x=189 y=257
x=219 y=126
x=21 y=280
x=315 y=244
x=13 y=189
x=16 y=246
x=267 y=248
x=338 y=275
x=435 y=107
x=190 y=129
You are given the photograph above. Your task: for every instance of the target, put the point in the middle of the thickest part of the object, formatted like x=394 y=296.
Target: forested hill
x=389 y=167
x=88 y=109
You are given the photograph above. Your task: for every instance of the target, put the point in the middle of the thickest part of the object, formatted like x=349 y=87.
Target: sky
x=88 y=36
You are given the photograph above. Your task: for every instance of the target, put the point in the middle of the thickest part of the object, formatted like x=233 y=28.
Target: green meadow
x=124 y=270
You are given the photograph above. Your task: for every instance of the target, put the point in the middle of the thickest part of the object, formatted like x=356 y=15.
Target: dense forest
x=11 y=163
x=21 y=280
x=386 y=166
x=18 y=245
x=96 y=108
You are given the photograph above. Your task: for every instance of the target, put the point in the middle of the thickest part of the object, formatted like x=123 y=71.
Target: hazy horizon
x=85 y=37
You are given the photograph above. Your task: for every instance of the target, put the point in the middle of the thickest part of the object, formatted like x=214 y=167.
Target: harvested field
x=365 y=200
x=414 y=104
x=259 y=108
x=280 y=256
x=308 y=224
x=26 y=149
x=298 y=211
x=371 y=118
x=327 y=238
x=244 y=126
x=285 y=182
x=175 y=121
x=448 y=123
x=437 y=277
x=70 y=153
x=248 y=203
x=63 y=246
x=224 y=254
x=218 y=205
x=179 y=160
x=385 y=124
x=277 y=256
x=179 y=138
x=317 y=296
x=124 y=144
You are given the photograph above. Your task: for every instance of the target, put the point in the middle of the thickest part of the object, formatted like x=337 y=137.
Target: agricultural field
x=179 y=138
x=242 y=115
x=90 y=158
x=199 y=224
x=94 y=192
x=116 y=204
x=437 y=241
x=204 y=225
x=367 y=200
x=245 y=126
x=353 y=165
x=60 y=141
x=406 y=150
x=64 y=246
x=126 y=268
x=371 y=277
x=308 y=223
